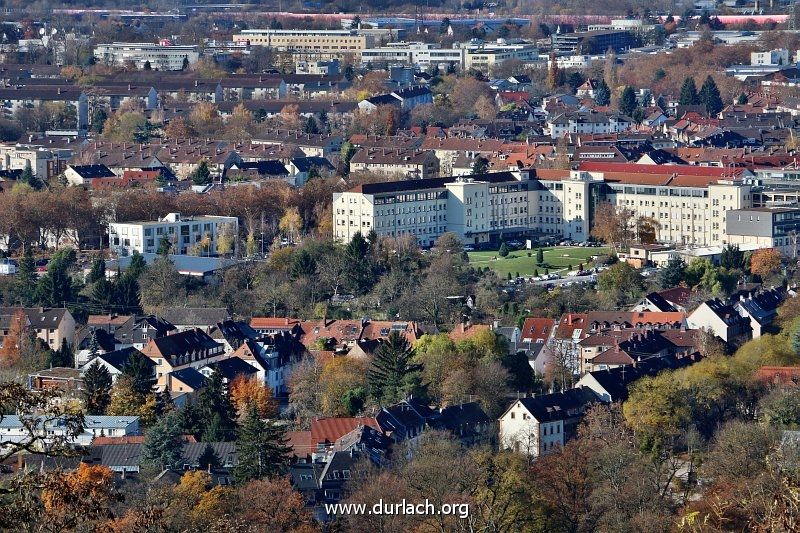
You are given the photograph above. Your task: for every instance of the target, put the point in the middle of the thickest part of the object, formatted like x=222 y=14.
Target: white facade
x=776 y=57
x=185 y=234
x=422 y=54
x=160 y=57
x=521 y=432
x=12 y=429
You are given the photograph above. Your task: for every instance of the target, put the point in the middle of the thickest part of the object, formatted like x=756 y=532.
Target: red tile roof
x=779 y=375
x=262 y=322
x=537 y=329
x=329 y=430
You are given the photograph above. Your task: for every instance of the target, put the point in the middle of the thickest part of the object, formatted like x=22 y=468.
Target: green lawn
x=557 y=259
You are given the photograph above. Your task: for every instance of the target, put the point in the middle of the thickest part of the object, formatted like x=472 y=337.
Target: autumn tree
x=765 y=262
x=613 y=225
x=272 y=505
x=339 y=375
x=246 y=392
x=15 y=341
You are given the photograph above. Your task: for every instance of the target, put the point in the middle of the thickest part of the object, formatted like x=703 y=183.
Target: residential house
x=312 y=144
x=467 y=422
x=85 y=174
x=53 y=325
x=410 y=164
x=17 y=98
x=760 y=308
x=190 y=348
x=16 y=428
x=67 y=380
x=721 y=319
x=542 y=425
x=115 y=362
x=187 y=318
x=405 y=420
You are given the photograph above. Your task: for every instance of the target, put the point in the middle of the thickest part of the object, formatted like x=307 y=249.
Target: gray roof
x=195 y=316
x=185 y=264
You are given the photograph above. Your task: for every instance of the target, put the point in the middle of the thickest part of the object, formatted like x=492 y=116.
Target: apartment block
x=159 y=56
x=186 y=235
x=689 y=208
x=316 y=44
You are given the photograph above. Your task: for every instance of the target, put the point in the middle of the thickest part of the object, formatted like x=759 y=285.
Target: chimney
x=569 y=319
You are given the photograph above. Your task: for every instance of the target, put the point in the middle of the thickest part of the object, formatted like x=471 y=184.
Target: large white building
x=159 y=56
x=688 y=203
x=317 y=44
x=198 y=235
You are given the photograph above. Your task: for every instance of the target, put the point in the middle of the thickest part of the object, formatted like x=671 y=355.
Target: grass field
x=557 y=259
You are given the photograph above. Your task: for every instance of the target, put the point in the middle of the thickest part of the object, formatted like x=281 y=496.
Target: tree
x=393 y=374
x=245 y=392
x=480 y=166
x=97 y=388
x=657 y=410
x=765 y=262
x=139 y=368
x=627 y=102
x=602 y=95
x=339 y=375
x=732 y=257
x=672 y=273
x=97 y=271
x=710 y=98
x=358 y=275
x=742 y=99
x=161 y=285
x=539 y=257
x=163 y=443
x=689 y=94
x=555 y=76
x=28 y=177
x=261 y=448
x=147 y=65
x=63 y=357
x=25 y=280
x=613 y=225
x=503 y=251
x=201 y=175
x=272 y=505
x=209 y=458
x=216 y=410
x=291 y=223
x=126 y=401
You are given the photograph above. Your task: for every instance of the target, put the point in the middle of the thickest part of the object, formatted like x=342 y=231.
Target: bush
x=503 y=252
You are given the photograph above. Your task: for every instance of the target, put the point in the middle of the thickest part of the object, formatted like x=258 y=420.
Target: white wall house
x=528 y=427
x=14 y=428
x=159 y=56
x=185 y=234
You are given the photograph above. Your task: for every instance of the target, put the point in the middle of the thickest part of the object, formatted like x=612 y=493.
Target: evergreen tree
x=673 y=273
x=126 y=291
x=503 y=251
x=732 y=257
x=188 y=419
x=102 y=292
x=136 y=266
x=310 y=126
x=98 y=270
x=393 y=375
x=602 y=95
x=480 y=166
x=216 y=410
x=25 y=280
x=96 y=388
x=99 y=118
x=63 y=356
x=94 y=346
x=55 y=287
x=201 y=175
x=163 y=403
x=710 y=97
x=147 y=65
x=661 y=103
x=539 y=257
x=261 y=449
x=742 y=100
x=163 y=443
x=28 y=177
x=689 y=94
x=358 y=274
x=140 y=369
x=209 y=458
x=627 y=102
x=303 y=265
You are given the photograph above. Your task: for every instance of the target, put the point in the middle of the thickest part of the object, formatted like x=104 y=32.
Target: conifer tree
x=209 y=458
x=627 y=102
x=216 y=411
x=602 y=95
x=261 y=449
x=98 y=270
x=97 y=388
x=689 y=94
x=393 y=374
x=710 y=97
x=25 y=280
x=140 y=369
x=163 y=443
